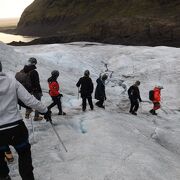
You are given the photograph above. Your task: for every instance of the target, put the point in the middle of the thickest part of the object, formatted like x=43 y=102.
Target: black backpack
x=24 y=79
x=151 y=95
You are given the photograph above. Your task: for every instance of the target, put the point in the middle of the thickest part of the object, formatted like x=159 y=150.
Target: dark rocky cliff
x=136 y=22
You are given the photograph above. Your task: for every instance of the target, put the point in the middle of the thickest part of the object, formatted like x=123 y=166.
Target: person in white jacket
x=12 y=128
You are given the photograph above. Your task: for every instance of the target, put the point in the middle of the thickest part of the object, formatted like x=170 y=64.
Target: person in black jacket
x=35 y=84
x=134 y=96
x=86 y=89
x=100 y=93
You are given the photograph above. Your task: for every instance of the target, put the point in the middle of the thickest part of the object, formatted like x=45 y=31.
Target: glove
x=105 y=98
x=47 y=116
x=59 y=96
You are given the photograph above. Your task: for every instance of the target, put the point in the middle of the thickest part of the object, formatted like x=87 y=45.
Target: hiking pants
x=100 y=103
x=134 y=105
x=156 y=105
x=38 y=97
x=18 y=138
x=56 y=101
x=89 y=98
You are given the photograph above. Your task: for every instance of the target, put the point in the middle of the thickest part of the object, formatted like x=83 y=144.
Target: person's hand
x=60 y=95
x=47 y=116
x=105 y=98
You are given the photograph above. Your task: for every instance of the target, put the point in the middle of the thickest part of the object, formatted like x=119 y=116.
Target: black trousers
x=134 y=105
x=38 y=97
x=56 y=101
x=18 y=138
x=89 y=98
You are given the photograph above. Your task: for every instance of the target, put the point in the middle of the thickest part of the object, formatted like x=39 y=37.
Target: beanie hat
x=32 y=61
x=0 y=67
x=86 y=73
x=137 y=83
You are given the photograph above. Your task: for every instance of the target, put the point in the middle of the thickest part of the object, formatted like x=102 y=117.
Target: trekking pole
x=60 y=140
x=32 y=129
x=78 y=92
x=146 y=101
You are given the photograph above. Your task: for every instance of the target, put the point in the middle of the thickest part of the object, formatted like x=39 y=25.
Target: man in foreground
x=12 y=128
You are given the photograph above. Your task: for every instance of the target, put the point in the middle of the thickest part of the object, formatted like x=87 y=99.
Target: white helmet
x=159 y=86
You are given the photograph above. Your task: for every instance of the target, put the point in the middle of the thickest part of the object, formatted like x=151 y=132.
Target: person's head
x=86 y=73
x=137 y=83
x=104 y=77
x=55 y=73
x=32 y=61
x=0 y=67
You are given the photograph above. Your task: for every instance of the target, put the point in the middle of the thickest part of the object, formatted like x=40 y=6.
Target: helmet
x=32 y=61
x=55 y=73
x=0 y=67
x=104 y=77
x=137 y=83
x=86 y=73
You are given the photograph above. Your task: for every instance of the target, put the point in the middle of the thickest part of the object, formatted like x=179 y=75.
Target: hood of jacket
x=28 y=68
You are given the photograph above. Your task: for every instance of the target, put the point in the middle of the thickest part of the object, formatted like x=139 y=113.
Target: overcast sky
x=13 y=8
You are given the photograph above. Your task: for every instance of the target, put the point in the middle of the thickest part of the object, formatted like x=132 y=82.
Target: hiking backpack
x=24 y=79
x=151 y=95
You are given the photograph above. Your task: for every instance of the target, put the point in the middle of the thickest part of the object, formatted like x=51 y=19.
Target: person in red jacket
x=156 y=99
x=54 y=92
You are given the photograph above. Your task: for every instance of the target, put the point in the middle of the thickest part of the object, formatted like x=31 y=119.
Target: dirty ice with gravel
x=108 y=144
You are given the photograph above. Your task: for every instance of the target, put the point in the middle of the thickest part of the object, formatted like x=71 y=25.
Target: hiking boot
x=9 y=157
x=5 y=178
x=101 y=106
x=62 y=113
x=153 y=112
x=39 y=118
x=134 y=113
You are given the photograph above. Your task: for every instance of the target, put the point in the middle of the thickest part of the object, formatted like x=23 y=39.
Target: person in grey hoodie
x=12 y=128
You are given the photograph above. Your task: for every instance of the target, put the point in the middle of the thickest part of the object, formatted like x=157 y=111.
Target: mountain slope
x=116 y=21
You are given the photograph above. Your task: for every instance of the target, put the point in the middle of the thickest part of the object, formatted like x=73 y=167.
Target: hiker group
x=135 y=98
x=26 y=91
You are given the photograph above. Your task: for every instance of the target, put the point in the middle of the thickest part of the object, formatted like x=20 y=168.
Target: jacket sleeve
x=92 y=86
x=78 y=83
x=139 y=97
x=129 y=91
x=28 y=99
